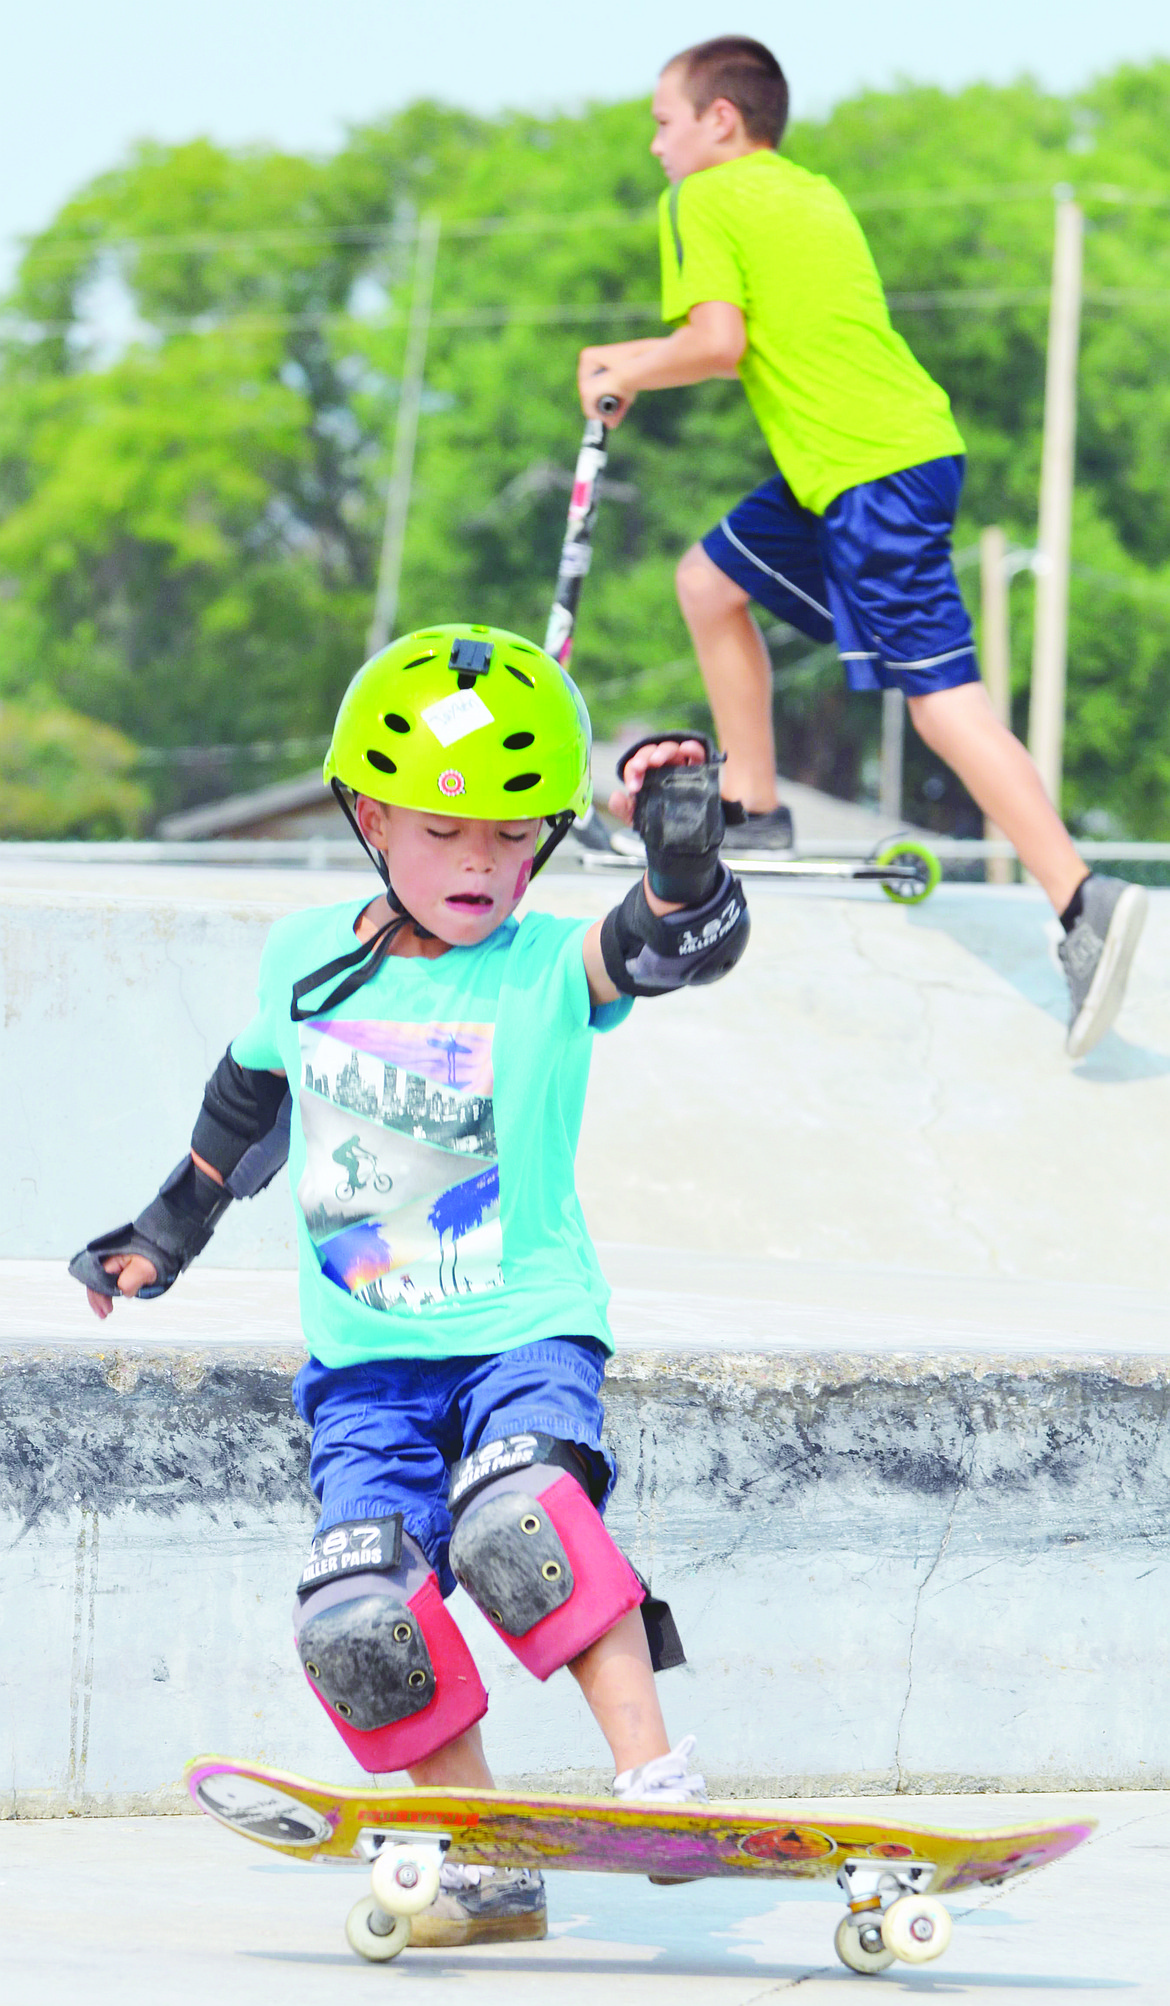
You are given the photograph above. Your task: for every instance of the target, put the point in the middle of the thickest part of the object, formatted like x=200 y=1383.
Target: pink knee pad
x=532 y=1552
x=380 y=1649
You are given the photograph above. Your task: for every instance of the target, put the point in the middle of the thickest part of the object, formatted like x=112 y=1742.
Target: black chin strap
x=363 y=963
x=358 y=968
x=558 y=829
x=341 y=797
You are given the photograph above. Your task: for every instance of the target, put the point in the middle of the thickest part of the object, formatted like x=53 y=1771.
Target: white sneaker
x=667 y=1779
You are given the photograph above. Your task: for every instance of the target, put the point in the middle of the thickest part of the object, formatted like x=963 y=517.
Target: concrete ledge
x=892 y=1573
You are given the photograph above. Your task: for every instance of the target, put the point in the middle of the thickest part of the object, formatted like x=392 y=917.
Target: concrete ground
x=117 y=1911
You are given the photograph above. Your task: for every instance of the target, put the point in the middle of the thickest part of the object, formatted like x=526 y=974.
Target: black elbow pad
x=242 y=1129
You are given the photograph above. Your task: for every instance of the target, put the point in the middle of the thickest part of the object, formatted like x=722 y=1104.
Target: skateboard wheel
x=377 y=1944
x=858 y=1942
x=405 y=1879
x=926 y=867
x=916 y=1928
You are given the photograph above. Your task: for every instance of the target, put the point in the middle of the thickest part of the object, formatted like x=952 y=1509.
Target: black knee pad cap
x=369 y=1659
x=507 y=1554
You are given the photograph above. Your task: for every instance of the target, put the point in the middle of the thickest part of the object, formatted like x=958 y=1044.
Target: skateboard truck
x=890 y=1914
x=404 y=1880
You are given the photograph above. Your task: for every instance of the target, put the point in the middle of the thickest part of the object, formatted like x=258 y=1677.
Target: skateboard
x=891 y=1875
x=905 y=869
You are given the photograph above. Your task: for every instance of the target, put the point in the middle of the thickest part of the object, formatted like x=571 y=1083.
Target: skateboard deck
x=873 y=1859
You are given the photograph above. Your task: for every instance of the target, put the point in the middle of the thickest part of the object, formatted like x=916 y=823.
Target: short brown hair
x=746 y=74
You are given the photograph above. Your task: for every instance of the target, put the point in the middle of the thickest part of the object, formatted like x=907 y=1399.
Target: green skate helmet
x=467 y=720
x=471 y=720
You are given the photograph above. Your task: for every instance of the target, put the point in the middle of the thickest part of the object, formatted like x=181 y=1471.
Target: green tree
x=64 y=776
x=189 y=527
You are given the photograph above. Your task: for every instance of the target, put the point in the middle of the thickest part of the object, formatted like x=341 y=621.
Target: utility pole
x=893 y=746
x=1046 y=722
x=995 y=648
x=405 y=433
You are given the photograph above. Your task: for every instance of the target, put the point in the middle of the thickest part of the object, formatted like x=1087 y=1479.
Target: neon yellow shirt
x=838 y=395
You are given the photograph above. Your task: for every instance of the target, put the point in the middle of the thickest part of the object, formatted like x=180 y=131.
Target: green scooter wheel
x=927 y=871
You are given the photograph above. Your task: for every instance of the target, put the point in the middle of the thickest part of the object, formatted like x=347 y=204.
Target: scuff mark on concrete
x=82 y=1666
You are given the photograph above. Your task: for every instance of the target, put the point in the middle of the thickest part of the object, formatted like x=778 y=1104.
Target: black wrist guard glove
x=647 y=953
x=679 y=816
x=174 y=1228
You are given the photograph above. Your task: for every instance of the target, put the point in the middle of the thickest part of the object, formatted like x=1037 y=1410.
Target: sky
x=85 y=82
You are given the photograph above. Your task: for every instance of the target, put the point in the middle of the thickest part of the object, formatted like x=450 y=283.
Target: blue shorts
x=386 y=1434
x=874 y=572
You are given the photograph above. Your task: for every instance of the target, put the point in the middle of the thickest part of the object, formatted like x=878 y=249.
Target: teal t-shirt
x=435 y=1123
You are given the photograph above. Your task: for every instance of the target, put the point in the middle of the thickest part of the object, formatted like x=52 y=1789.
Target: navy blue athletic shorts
x=386 y=1434
x=874 y=572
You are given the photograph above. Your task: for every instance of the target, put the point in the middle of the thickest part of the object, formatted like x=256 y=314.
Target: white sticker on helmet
x=457 y=716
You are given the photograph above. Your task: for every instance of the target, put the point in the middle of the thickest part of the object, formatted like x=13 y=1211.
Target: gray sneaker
x=748 y=833
x=482 y=1905
x=590 y=831
x=1096 y=955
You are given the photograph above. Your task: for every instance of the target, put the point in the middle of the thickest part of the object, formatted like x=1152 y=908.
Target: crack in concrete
x=777 y=1986
x=931 y=1081
x=901 y=1787
x=170 y=961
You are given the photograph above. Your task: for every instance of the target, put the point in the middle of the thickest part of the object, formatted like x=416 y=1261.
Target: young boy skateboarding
x=435 y=1053
x=766 y=270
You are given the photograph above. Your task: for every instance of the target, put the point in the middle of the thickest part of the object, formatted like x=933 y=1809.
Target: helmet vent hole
x=419 y=660
x=394 y=722
x=521 y=782
x=517 y=741
x=521 y=677
x=380 y=760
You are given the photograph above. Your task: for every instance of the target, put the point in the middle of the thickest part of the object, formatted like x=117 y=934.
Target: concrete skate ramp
x=874 y=1084
x=889 y=1401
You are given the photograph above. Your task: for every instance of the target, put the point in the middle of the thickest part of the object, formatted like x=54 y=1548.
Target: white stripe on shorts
x=787 y=583
x=931 y=661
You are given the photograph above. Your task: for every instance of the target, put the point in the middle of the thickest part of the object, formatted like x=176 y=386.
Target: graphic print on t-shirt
x=401 y=1186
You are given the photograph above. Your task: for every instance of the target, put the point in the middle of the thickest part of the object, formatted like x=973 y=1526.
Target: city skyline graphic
x=400 y=1189
x=455 y=1055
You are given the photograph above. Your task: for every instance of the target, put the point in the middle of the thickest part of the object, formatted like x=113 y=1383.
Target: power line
x=360 y=235
x=970 y=299
x=262 y=750
x=260 y=323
